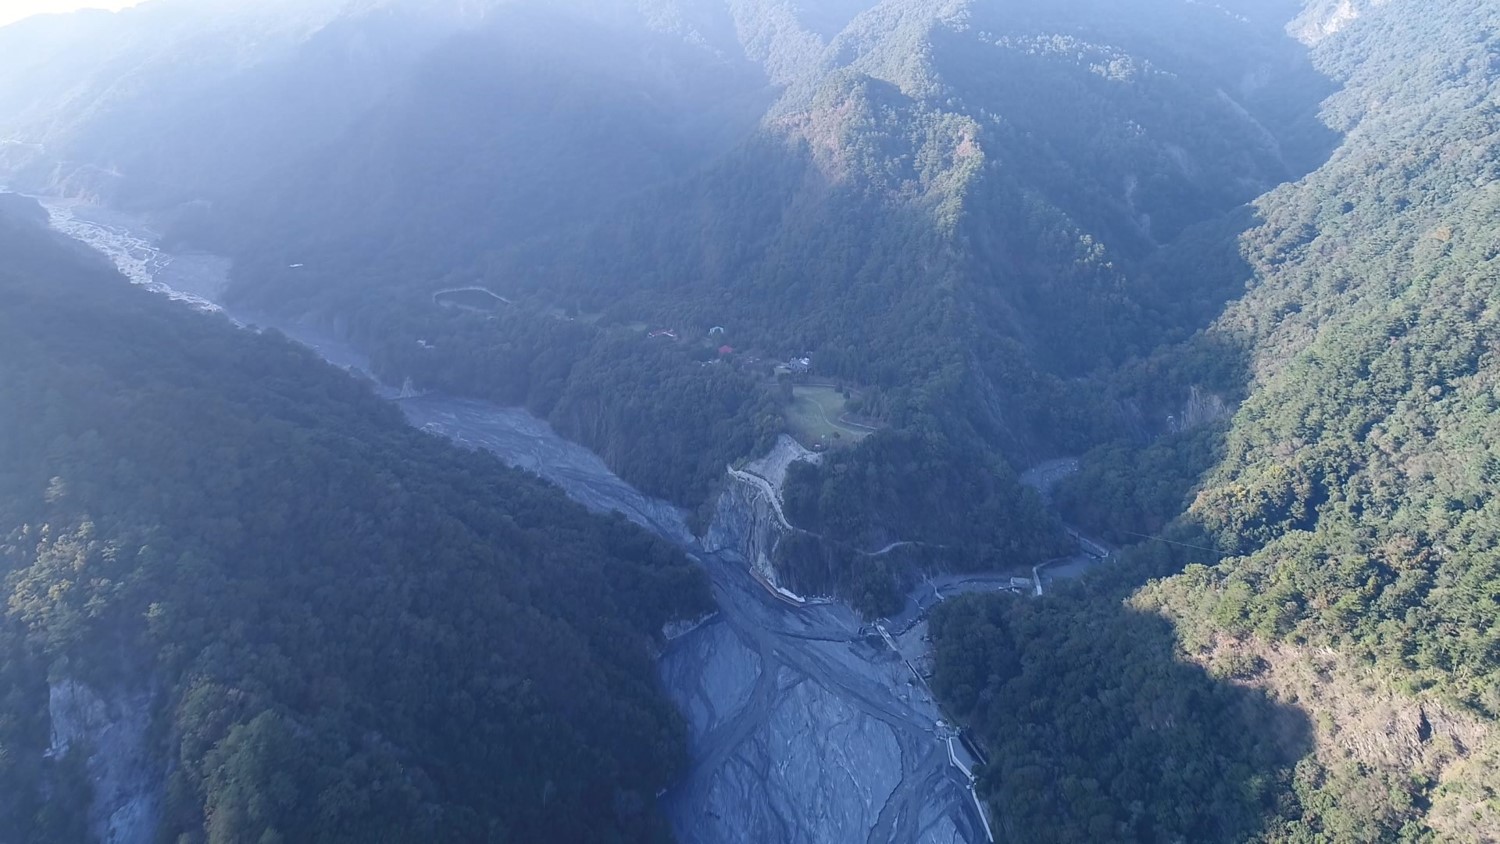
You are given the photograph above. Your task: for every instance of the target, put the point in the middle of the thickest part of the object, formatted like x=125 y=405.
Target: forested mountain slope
x=1355 y=488
x=250 y=604
x=1242 y=252
x=888 y=188
x=184 y=101
x=898 y=217
x=1338 y=525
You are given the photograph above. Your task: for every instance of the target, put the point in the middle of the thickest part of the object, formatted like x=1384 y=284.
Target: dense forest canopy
x=340 y=629
x=910 y=212
x=1240 y=255
x=1330 y=492
x=882 y=187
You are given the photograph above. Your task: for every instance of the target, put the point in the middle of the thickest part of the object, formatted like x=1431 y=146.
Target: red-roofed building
x=725 y=351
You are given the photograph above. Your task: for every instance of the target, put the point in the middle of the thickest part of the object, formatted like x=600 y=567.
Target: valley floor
x=803 y=729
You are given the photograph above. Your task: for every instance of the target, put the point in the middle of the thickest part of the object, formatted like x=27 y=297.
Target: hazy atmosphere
x=750 y=421
x=14 y=10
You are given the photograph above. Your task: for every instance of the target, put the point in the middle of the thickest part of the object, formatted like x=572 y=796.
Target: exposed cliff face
x=803 y=728
x=748 y=520
x=745 y=524
x=1383 y=743
x=1326 y=18
x=124 y=774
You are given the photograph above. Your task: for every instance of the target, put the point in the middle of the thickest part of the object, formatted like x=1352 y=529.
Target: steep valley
x=1103 y=390
x=804 y=726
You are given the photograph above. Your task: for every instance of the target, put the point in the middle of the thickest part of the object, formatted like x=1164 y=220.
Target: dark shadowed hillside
x=889 y=190
x=1239 y=255
x=1329 y=485
x=293 y=617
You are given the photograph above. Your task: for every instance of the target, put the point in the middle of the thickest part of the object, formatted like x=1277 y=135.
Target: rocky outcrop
x=124 y=774
x=802 y=729
x=1386 y=744
x=746 y=523
x=748 y=520
x=1325 y=18
x=1201 y=408
x=773 y=467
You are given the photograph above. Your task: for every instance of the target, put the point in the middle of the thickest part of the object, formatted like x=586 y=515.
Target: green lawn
x=814 y=418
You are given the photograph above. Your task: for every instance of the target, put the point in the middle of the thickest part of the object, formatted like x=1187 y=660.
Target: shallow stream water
x=804 y=726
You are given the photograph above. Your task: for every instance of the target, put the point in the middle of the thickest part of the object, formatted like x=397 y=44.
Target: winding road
x=1042 y=478
x=802 y=729
x=765 y=488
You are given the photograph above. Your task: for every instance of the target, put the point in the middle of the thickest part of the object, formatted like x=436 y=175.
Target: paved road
x=765 y=488
x=832 y=743
x=816 y=675
x=1043 y=477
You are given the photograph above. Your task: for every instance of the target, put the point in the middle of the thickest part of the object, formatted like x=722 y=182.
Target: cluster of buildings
x=795 y=366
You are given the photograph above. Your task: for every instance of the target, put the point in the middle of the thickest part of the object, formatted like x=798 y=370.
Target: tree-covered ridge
x=911 y=214
x=962 y=211
x=1338 y=523
x=884 y=186
x=1096 y=731
x=666 y=415
x=352 y=631
x=1359 y=468
x=868 y=524
x=1003 y=225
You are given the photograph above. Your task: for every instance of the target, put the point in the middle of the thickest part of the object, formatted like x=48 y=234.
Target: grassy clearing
x=814 y=418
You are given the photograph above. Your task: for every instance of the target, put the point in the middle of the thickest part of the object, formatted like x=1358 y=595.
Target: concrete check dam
x=804 y=728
